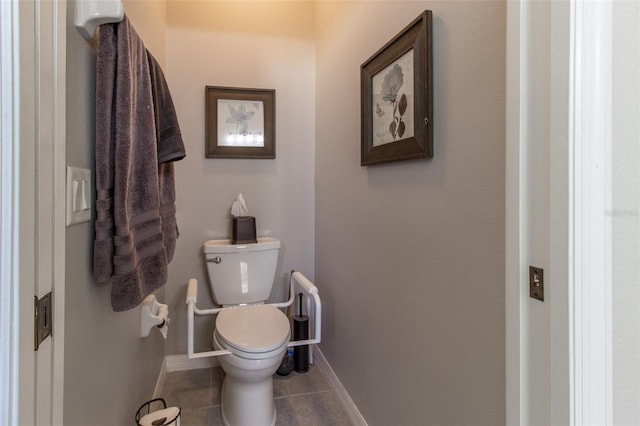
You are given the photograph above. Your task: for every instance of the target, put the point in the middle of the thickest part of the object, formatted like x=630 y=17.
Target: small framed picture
x=397 y=97
x=240 y=123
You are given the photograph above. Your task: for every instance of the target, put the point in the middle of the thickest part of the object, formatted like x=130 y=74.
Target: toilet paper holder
x=153 y=313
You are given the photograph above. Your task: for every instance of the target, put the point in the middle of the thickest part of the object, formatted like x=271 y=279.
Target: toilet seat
x=252 y=332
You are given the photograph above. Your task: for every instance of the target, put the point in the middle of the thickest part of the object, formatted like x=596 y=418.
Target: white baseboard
x=336 y=385
x=179 y=363
x=182 y=362
x=161 y=378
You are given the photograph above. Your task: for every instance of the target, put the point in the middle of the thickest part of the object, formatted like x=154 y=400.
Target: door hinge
x=43 y=318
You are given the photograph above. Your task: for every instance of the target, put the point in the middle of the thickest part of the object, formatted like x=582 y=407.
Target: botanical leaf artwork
x=240 y=117
x=392 y=98
x=240 y=123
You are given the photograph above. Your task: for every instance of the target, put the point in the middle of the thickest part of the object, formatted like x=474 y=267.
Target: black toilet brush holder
x=301 y=332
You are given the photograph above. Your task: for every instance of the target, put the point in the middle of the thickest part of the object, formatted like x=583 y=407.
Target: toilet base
x=247 y=404
x=247 y=389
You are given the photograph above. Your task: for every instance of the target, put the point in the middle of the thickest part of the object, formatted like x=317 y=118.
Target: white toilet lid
x=253 y=329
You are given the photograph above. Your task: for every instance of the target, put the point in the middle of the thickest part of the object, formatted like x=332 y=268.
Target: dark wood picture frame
x=250 y=112
x=397 y=112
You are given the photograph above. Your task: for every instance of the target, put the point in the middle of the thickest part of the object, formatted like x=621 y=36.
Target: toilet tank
x=241 y=273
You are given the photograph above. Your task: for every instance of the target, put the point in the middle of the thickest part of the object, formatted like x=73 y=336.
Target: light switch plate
x=78 y=195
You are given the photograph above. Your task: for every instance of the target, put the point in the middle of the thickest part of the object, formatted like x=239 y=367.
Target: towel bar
x=92 y=13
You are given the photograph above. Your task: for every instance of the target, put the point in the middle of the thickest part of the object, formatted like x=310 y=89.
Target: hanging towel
x=170 y=145
x=135 y=194
x=170 y=148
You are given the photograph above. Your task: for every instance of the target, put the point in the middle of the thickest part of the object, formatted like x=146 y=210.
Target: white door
x=33 y=185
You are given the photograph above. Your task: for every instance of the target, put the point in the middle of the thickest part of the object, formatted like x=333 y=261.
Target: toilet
x=256 y=335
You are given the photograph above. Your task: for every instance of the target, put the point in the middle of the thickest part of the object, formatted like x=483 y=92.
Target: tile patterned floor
x=301 y=398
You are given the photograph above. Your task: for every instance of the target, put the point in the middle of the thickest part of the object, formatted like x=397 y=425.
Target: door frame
x=579 y=229
x=32 y=246
x=591 y=238
x=9 y=214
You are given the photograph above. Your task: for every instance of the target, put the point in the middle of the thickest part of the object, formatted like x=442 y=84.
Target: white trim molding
x=9 y=213
x=513 y=223
x=336 y=385
x=573 y=326
x=32 y=156
x=183 y=362
x=59 y=104
x=559 y=214
x=162 y=376
x=591 y=281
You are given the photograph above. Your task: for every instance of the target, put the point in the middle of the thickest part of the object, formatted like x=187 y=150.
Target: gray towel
x=135 y=201
x=170 y=148
x=170 y=145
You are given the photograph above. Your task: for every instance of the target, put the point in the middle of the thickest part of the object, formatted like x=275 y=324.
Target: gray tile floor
x=301 y=398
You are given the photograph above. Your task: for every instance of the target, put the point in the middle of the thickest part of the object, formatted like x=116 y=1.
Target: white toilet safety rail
x=296 y=278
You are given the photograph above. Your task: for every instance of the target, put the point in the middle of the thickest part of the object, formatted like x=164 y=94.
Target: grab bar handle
x=312 y=291
x=296 y=277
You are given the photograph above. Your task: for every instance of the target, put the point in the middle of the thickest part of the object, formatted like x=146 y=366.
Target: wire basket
x=164 y=416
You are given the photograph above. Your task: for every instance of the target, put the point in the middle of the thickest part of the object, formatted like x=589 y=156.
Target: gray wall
x=266 y=45
x=109 y=369
x=410 y=256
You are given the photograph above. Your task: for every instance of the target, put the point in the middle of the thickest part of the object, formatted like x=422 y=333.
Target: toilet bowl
x=257 y=338
x=250 y=337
